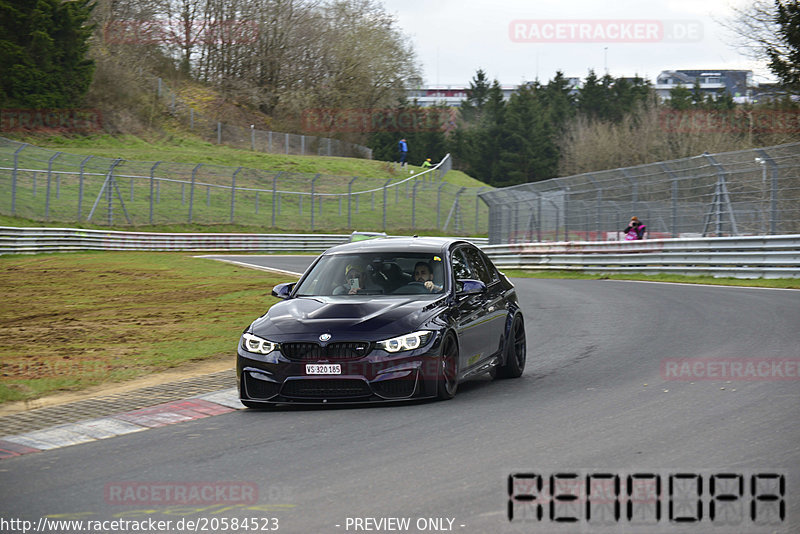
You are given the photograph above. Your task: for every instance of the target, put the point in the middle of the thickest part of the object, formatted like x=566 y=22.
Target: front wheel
x=448 y=369
x=515 y=351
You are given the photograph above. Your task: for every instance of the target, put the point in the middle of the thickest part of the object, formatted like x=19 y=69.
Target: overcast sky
x=521 y=40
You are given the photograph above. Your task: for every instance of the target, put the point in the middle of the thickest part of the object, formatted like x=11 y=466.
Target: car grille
x=326 y=388
x=303 y=352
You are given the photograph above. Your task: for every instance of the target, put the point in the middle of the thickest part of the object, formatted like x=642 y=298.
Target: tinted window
x=371 y=274
x=460 y=266
x=477 y=266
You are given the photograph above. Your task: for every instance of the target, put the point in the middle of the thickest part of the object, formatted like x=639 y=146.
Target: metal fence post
x=313 y=183
x=477 y=212
x=286 y=143
x=152 y=181
x=439 y=204
x=219 y=133
x=191 y=190
x=674 y=195
x=14 y=178
x=302 y=145
x=191 y=118
x=80 y=185
x=349 y=201
x=233 y=192
x=414 y=205
x=274 y=194
x=49 y=174
x=385 y=186
x=773 y=192
x=598 y=209
x=252 y=137
x=721 y=197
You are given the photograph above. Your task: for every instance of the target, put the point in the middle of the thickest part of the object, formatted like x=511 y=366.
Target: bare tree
x=754 y=29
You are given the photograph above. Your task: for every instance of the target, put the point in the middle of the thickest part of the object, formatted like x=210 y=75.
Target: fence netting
x=748 y=192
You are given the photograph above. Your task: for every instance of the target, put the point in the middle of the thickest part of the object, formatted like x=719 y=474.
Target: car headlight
x=256 y=344
x=405 y=342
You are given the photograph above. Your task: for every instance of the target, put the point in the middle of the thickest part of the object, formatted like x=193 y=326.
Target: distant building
x=737 y=83
x=448 y=95
x=454 y=95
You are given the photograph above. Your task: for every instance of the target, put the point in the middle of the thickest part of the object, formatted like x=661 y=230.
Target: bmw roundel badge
x=325 y=337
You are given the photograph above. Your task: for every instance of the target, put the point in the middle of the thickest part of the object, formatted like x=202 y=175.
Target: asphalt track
x=597 y=396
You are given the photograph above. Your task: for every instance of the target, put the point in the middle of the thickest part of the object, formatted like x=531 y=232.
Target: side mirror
x=470 y=287
x=282 y=291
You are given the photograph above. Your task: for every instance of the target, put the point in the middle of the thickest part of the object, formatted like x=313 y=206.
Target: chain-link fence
x=215 y=131
x=46 y=185
x=749 y=192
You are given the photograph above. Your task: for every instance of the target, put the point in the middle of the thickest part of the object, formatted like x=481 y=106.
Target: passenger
x=354 y=279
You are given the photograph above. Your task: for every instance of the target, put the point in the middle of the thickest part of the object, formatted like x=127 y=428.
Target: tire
x=516 y=351
x=447 y=381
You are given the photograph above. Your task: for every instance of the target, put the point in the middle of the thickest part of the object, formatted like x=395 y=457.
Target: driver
x=424 y=275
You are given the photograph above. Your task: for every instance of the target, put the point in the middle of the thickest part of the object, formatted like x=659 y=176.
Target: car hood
x=367 y=318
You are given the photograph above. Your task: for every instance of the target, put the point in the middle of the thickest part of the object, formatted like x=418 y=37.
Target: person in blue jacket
x=402 y=146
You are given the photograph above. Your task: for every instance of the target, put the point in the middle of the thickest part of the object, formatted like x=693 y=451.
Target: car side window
x=460 y=265
x=477 y=266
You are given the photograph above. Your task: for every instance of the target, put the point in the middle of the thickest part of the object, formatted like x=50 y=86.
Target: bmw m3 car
x=383 y=320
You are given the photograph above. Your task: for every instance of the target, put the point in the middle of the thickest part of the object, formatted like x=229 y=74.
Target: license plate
x=323 y=369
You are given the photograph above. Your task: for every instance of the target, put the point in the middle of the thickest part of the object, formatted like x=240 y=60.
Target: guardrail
x=15 y=240
x=739 y=257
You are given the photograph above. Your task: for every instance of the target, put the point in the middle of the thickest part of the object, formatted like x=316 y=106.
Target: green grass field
x=41 y=197
x=121 y=315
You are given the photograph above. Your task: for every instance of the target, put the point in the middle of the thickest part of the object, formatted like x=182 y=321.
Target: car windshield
x=393 y=273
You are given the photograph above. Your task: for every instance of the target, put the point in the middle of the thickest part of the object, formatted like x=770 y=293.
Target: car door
x=471 y=327
x=494 y=310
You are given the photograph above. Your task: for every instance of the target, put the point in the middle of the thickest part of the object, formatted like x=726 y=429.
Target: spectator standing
x=402 y=147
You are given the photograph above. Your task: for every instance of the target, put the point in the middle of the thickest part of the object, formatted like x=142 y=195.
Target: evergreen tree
x=43 y=47
x=786 y=66
x=680 y=98
x=528 y=151
x=477 y=94
x=594 y=98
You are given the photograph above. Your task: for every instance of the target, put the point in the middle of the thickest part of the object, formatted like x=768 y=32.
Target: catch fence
x=46 y=185
x=748 y=192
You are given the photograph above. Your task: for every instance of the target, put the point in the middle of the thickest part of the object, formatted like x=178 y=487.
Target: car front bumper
x=377 y=377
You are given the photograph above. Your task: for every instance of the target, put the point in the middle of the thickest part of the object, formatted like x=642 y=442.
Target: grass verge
x=784 y=283
x=73 y=320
